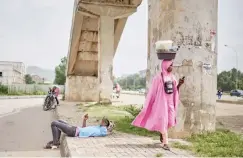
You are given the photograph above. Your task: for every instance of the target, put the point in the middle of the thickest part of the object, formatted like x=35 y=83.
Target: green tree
x=28 y=79
x=226 y=80
x=60 y=70
x=132 y=82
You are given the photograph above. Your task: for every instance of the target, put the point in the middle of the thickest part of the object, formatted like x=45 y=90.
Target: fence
x=30 y=88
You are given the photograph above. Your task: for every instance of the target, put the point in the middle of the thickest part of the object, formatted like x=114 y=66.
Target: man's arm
x=84 y=123
x=86 y=116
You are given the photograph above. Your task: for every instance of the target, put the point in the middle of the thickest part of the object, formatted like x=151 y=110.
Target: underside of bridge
x=97 y=26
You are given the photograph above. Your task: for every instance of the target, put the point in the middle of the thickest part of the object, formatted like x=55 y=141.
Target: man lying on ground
x=59 y=126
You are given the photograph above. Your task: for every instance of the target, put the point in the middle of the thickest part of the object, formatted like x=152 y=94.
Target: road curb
x=64 y=148
x=133 y=93
x=230 y=102
x=22 y=97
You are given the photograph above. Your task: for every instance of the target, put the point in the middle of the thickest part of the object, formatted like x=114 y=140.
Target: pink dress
x=159 y=111
x=171 y=110
x=171 y=106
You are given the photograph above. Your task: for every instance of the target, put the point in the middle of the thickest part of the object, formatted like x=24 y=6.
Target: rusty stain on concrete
x=187 y=62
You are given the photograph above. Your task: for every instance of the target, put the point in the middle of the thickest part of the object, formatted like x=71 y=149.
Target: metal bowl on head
x=165 y=50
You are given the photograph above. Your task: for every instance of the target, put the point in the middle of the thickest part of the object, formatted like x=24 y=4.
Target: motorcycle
x=49 y=101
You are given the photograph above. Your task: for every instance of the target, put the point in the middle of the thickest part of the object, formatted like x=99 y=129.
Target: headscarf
x=164 y=66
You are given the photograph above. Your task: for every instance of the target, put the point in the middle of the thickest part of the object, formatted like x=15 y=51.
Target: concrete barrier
x=25 y=97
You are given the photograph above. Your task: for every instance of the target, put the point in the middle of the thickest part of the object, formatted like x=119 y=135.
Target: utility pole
x=236 y=61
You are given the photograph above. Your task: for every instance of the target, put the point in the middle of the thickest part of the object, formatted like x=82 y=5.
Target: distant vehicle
x=236 y=92
x=142 y=91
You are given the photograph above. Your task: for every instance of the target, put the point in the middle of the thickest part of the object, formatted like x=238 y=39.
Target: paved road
x=221 y=108
x=25 y=128
x=9 y=106
x=224 y=97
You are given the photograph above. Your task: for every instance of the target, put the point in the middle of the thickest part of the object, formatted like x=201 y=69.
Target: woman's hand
x=181 y=82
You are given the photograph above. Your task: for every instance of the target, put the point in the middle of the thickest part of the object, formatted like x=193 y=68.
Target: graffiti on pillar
x=210 y=43
x=188 y=40
x=213 y=40
x=198 y=40
x=178 y=38
x=207 y=68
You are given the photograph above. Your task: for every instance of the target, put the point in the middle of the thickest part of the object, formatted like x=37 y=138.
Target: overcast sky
x=36 y=32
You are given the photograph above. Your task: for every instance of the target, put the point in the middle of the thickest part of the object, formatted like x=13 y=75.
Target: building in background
x=37 y=79
x=12 y=72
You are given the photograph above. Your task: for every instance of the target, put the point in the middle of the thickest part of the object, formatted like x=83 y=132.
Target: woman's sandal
x=166 y=147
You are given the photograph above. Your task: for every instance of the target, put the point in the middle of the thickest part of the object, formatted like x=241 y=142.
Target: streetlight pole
x=236 y=57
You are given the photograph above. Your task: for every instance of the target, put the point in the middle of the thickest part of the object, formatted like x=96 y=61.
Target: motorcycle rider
x=55 y=90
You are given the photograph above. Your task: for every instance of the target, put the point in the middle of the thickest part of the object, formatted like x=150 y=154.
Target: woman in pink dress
x=159 y=111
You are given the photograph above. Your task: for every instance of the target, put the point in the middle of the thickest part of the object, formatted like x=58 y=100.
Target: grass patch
x=124 y=125
x=159 y=155
x=181 y=146
x=121 y=115
x=222 y=143
x=99 y=111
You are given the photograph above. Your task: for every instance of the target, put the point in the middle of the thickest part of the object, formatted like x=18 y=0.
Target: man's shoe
x=54 y=147
x=48 y=145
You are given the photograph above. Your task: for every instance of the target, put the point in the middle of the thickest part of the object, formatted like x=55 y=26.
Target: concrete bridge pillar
x=106 y=49
x=191 y=24
x=96 y=30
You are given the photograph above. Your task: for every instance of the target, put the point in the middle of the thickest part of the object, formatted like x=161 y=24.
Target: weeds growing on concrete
x=159 y=155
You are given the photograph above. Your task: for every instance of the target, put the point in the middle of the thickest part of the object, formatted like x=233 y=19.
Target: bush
x=3 y=89
x=39 y=93
x=133 y=110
